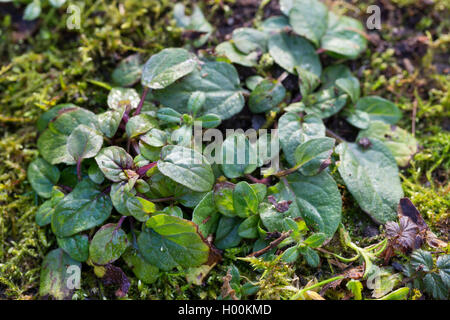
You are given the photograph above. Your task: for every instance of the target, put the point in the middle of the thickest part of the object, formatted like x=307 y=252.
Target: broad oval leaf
x=57 y=268
x=42 y=177
x=220 y=83
x=371 y=175
x=46 y=210
x=77 y=246
x=108 y=244
x=143 y=270
x=267 y=95
x=290 y=51
x=344 y=37
x=120 y=98
x=379 y=109
x=167 y=66
x=112 y=161
x=205 y=215
x=140 y=124
x=312 y=149
x=239 y=156
x=245 y=200
x=85 y=207
x=248 y=40
x=128 y=71
x=228 y=50
x=169 y=241
x=309 y=19
x=84 y=142
x=187 y=167
x=316 y=199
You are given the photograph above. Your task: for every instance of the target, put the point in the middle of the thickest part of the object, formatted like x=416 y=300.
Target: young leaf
x=350 y=86
x=443 y=264
x=379 y=109
x=155 y=138
x=343 y=38
x=228 y=50
x=55 y=274
x=108 y=244
x=223 y=199
x=77 y=246
x=169 y=241
x=167 y=66
x=209 y=120
x=309 y=19
x=219 y=81
x=84 y=142
x=187 y=167
x=291 y=51
x=245 y=200
x=85 y=207
x=290 y=255
x=112 y=161
x=325 y=103
x=267 y=95
x=315 y=240
x=140 y=124
x=205 y=215
x=196 y=102
x=371 y=175
x=169 y=115
x=312 y=149
x=248 y=40
x=248 y=229
x=42 y=177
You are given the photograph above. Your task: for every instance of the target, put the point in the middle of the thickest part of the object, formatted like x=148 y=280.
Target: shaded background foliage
x=42 y=63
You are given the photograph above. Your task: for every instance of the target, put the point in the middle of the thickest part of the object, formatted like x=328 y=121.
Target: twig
x=413 y=118
x=335 y=136
x=272 y=245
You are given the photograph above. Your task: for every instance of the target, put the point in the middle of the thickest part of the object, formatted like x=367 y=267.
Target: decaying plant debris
x=116 y=195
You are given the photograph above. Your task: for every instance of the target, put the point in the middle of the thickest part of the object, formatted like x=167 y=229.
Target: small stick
x=272 y=245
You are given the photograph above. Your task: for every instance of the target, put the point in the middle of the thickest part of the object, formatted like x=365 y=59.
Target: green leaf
x=120 y=194
x=220 y=83
x=112 y=161
x=46 y=210
x=343 y=38
x=315 y=240
x=422 y=260
x=248 y=40
x=443 y=264
x=85 y=207
x=169 y=241
x=245 y=200
x=434 y=285
x=371 y=175
x=57 y=3
x=308 y=81
x=227 y=235
x=274 y=220
x=32 y=10
x=325 y=103
x=379 y=109
x=77 y=246
x=290 y=51
x=143 y=270
x=290 y=255
x=209 y=120
x=267 y=95
x=140 y=124
x=187 y=167
x=119 y=98
x=350 y=86
x=108 y=244
x=196 y=102
x=400 y=142
x=295 y=130
x=109 y=121
x=155 y=138
x=252 y=81
x=274 y=24
x=141 y=208
x=56 y=273
x=128 y=71
x=312 y=149
x=311 y=256
x=84 y=142
x=205 y=215
x=355 y=287
x=248 y=229
x=357 y=118
x=333 y=73
x=42 y=177
x=238 y=156
x=223 y=198
x=195 y=22
x=169 y=115
x=316 y=199
x=309 y=19
x=51 y=114
x=95 y=174
x=167 y=66
x=228 y=50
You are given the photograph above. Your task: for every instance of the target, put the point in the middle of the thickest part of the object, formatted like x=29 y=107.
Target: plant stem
x=119 y=224
x=301 y=292
x=273 y=244
x=141 y=103
x=79 y=168
x=335 y=136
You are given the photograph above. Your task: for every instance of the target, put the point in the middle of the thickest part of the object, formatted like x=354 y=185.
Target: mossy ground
x=42 y=63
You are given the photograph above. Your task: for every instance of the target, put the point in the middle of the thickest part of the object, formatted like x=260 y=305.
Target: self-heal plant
x=125 y=186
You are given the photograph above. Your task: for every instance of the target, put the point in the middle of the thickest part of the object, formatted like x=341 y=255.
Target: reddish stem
x=79 y=169
x=141 y=103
